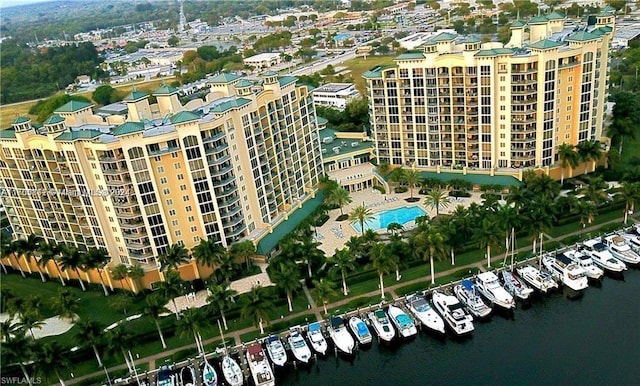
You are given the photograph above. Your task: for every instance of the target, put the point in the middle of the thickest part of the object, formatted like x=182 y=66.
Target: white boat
x=232 y=371
x=453 y=313
x=340 y=335
x=260 y=369
x=381 y=324
x=489 y=286
x=621 y=250
x=468 y=294
x=316 y=337
x=633 y=240
x=585 y=261
x=276 y=350
x=403 y=322
x=602 y=257
x=360 y=330
x=515 y=285
x=187 y=376
x=567 y=271
x=536 y=278
x=209 y=376
x=299 y=347
x=166 y=377
x=422 y=310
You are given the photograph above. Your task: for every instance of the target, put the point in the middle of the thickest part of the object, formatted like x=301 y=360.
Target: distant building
x=625 y=36
x=335 y=95
x=263 y=61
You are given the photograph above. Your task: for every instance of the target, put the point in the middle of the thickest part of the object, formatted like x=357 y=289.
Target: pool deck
x=334 y=234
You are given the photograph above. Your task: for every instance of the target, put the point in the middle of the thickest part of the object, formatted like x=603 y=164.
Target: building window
x=172 y=212
x=180 y=177
x=194 y=229
x=160 y=169
x=188 y=208
x=169 y=202
x=178 y=233
x=165 y=191
x=183 y=187
x=191 y=219
x=174 y=223
x=177 y=166
x=503 y=136
x=163 y=180
x=185 y=198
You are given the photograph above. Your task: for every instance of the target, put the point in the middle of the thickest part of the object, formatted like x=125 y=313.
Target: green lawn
x=360 y=65
x=599 y=219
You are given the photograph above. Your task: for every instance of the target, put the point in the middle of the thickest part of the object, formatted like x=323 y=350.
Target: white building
x=625 y=35
x=335 y=95
x=263 y=61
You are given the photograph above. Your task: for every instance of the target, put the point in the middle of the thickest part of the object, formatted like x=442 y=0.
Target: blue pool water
x=382 y=219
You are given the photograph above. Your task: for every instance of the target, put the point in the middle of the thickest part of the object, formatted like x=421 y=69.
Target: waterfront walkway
x=156 y=360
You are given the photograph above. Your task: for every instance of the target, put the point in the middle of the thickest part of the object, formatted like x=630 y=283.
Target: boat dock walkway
x=156 y=360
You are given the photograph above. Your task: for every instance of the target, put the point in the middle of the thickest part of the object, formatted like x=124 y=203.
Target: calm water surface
x=592 y=340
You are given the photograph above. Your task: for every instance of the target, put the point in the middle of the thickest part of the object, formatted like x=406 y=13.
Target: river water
x=591 y=340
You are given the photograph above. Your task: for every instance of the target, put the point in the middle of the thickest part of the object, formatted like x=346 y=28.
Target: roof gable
x=183 y=116
x=224 y=77
x=72 y=106
x=545 y=44
x=128 y=128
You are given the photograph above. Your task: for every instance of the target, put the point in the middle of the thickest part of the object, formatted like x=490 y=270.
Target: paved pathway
x=312 y=304
x=317 y=310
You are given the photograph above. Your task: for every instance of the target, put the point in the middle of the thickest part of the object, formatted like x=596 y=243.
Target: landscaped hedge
x=459 y=193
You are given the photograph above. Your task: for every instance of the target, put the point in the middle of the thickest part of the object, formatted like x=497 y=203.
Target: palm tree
x=629 y=193
x=120 y=272
x=170 y=288
x=338 y=197
x=154 y=307
x=243 y=250
x=27 y=248
x=192 y=320
x=432 y=242
x=322 y=291
x=567 y=157
x=17 y=349
x=343 y=260
x=219 y=298
x=383 y=263
x=119 y=339
x=625 y=118
x=362 y=214
x=174 y=257
x=10 y=249
x=436 y=199
x=589 y=151
x=51 y=356
x=542 y=185
x=539 y=219
x=136 y=272
x=355 y=244
x=208 y=253
x=49 y=252
x=587 y=212
x=256 y=305
x=66 y=304
x=30 y=319
x=71 y=258
x=90 y=333
x=309 y=252
x=508 y=216
x=411 y=178
x=487 y=236
x=97 y=258
x=394 y=228
x=286 y=276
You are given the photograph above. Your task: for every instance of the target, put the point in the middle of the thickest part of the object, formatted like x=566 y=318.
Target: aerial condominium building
x=459 y=103
x=226 y=168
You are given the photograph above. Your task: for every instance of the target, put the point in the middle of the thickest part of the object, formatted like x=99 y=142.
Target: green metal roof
x=410 y=56
x=345 y=148
x=285 y=80
x=243 y=83
x=128 y=128
x=444 y=37
x=270 y=73
x=78 y=135
x=606 y=28
x=53 y=119
x=269 y=242
x=322 y=121
x=470 y=39
x=518 y=24
x=8 y=133
x=538 y=20
x=72 y=106
x=184 y=116
x=222 y=107
x=478 y=179
x=21 y=119
x=555 y=16
x=224 y=77
x=545 y=44
x=495 y=52
x=376 y=72
x=582 y=36
x=165 y=90
x=135 y=96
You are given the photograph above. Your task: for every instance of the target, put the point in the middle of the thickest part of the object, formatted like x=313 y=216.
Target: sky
x=10 y=3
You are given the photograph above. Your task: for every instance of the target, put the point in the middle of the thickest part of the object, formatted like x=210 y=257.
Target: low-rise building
x=263 y=61
x=335 y=95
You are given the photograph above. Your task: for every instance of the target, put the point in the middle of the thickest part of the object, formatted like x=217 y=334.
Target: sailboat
x=230 y=369
x=512 y=282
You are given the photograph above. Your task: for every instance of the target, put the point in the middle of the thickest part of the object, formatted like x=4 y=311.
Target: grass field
x=359 y=66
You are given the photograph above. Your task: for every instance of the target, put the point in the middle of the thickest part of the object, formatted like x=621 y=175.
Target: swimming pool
x=382 y=219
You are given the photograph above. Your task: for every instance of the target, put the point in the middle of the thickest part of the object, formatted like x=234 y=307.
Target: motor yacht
x=468 y=294
x=404 y=324
x=585 y=261
x=536 y=278
x=316 y=338
x=360 y=330
x=276 y=351
x=261 y=371
x=381 y=324
x=232 y=371
x=453 y=313
x=621 y=250
x=489 y=286
x=340 y=335
x=515 y=285
x=565 y=270
x=602 y=257
x=166 y=377
x=298 y=346
x=633 y=240
x=423 y=311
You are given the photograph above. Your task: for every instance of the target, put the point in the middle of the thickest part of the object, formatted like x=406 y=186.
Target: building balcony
x=164 y=150
x=214 y=137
